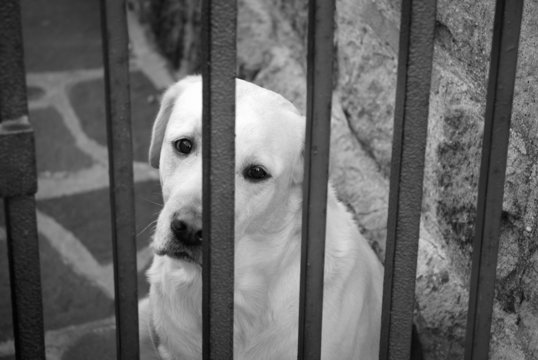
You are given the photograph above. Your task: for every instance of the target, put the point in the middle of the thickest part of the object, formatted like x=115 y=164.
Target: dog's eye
x=183 y=146
x=255 y=173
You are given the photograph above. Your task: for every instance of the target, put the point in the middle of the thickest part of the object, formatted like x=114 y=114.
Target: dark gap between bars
x=502 y=75
x=120 y=156
x=219 y=21
x=17 y=188
x=407 y=169
x=316 y=176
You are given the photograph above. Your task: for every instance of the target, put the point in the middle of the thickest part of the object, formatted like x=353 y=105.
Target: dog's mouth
x=183 y=255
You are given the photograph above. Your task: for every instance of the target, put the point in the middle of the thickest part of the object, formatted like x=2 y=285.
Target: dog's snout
x=178 y=227
x=185 y=233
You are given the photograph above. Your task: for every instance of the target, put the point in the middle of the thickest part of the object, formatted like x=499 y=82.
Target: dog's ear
x=159 y=126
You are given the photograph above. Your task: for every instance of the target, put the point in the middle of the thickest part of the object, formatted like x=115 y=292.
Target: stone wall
x=271 y=52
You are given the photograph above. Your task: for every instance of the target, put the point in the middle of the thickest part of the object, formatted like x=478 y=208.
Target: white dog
x=268 y=199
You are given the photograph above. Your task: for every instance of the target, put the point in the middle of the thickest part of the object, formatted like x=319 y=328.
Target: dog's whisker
x=154 y=222
x=152 y=202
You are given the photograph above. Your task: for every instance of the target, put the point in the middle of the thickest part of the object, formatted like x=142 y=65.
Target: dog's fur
x=270 y=133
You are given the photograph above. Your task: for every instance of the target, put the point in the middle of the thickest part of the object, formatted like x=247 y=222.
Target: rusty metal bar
x=13 y=86
x=407 y=170
x=23 y=252
x=18 y=184
x=219 y=19
x=120 y=156
x=502 y=75
x=316 y=175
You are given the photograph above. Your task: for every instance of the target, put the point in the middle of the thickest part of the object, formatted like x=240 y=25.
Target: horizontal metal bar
x=406 y=178
x=502 y=75
x=13 y=104
x=25 y=278
x=120 y=157
x=316 y=175
x=219 y=19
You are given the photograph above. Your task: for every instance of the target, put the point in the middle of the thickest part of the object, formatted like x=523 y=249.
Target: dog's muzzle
x=186 y=242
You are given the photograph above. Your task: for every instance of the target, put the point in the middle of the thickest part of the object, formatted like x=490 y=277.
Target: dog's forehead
x=262 y=116
x=187 y=111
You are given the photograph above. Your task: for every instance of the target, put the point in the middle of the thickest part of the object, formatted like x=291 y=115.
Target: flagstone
x=90 y=222
x=61 y=34
x=95 y=345
x=68 y=298
x=88 y=99
x=56 y=150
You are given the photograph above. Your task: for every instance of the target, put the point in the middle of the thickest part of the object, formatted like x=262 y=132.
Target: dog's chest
x=179 y=331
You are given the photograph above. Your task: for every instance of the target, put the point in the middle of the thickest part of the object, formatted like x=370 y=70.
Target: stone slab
x=56 y=149
x=34 y=93
x=95 y=345
x=90 y=222
x=68 y=299
x=88 y=100
x=61 y=34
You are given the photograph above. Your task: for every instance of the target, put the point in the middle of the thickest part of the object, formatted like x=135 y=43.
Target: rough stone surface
x=175 y=25
x=271 y=52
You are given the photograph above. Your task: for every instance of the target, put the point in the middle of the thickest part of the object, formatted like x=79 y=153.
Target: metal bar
x=13 y=84
x=407 y=170
x=502 y=74
x=18 y=174
x=316 y=175
x=23 y=252
x=219 y=19
x=120 y=156
x=18 y=186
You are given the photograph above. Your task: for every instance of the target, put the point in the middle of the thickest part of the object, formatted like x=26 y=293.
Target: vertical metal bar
x=25 y=277
x=120 y=156
x=407 y=170
x=316 y=174
x=502 y=74
x=219 y=18
x=18 y=184
x=13 y=86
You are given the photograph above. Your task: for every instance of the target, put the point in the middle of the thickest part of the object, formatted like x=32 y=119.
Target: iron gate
x=18 y=182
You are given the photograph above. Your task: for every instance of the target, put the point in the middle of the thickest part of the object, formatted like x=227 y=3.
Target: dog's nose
x=185 y=233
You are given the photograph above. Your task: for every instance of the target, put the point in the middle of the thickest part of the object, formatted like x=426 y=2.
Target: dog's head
x=268 y=167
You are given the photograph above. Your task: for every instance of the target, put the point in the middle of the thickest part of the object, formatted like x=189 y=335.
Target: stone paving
x=66 y=101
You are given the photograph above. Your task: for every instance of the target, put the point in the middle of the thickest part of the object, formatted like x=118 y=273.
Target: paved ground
x=63 y=60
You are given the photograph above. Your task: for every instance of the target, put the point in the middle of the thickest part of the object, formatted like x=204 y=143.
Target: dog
x=268 y=206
